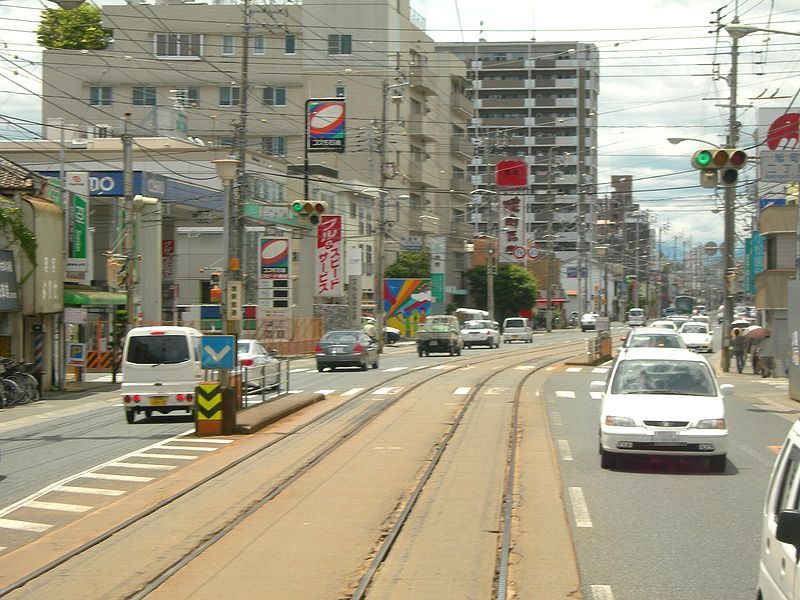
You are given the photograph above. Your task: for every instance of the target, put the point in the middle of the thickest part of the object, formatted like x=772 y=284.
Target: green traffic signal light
x=703 y=158
x=297 y=207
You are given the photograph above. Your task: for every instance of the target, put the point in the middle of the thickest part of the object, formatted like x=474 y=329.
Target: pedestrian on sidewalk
x=738 y=348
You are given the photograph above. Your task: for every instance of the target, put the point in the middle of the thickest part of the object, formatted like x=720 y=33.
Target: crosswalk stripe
x=601 y=592
x=325 y=392
x=565 y=394
x=112 y=477
x=596 y=395
x=392 y=369
x=524 y=367
x=74 y=489
x=352 y=391
x=462 y=391
x=127 y=465
x=203 y=440
x=192 y=448
x=386 y=390
x=60 y=506
x=574 y=369
x=23 y=525
x=175 y=456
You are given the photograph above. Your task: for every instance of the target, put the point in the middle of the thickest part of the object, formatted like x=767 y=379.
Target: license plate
x=158 y=401
x=665 y=437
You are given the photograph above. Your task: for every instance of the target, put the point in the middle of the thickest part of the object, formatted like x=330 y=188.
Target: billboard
x=330 y=267
x=406 y=304
x=325 y=125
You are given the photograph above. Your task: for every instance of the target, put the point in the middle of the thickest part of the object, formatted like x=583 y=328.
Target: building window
x=186 y=97
x=144 y=96
x=274 y=145
x=225 y=140
x=175 y=45
x=290 y=44
x=340 y=91
x=227 y=45
x=259 y=45
x=274 y=96
x=340 y=43
x=229 y=96
x=100 y=96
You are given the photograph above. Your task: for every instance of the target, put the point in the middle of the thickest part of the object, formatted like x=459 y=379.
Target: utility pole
x=548 y=263
x=237 y=210
x=128 y=246
x=381 y=233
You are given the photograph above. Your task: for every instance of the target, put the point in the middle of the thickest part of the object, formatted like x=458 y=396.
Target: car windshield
x=340 y=337
x=158 y=349
x=694 y=328
x=515 y=323
x=655 y=341
x=243 y=347
x=663 y=377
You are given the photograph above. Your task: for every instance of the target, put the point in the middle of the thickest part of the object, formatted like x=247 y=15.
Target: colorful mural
x=406 y=303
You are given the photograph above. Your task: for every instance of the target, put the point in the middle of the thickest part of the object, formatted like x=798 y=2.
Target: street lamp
x=226 y=171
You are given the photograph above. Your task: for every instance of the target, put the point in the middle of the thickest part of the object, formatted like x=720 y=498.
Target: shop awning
x=73 y=297
x=552 y=300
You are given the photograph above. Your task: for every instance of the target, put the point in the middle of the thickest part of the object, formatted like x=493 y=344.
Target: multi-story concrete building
x=237 y=80
x=537 y=102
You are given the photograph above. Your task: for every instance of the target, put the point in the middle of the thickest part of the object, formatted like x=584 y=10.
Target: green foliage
x=514 y=289
x=410 y=265
x=12 y=225
x=76 y=29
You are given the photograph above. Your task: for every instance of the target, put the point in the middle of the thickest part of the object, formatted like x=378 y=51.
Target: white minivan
x=517 y=329
x=778 y=570
x=160 y=370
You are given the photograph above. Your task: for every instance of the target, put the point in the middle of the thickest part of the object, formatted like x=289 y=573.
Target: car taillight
x=188 y=397
x=317 y=348
x=358 y=348
x=179 y=397
x=137 y=398
x=246 y=362
x=127 y=398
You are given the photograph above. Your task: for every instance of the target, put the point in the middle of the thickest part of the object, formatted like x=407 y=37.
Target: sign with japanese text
x=168 y=259
x=511 y=173
x=325 y=125
x=329 y=257
x=274 y=258
x=8 y=282
x=512 y=228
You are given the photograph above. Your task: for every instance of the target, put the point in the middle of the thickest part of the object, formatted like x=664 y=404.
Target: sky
x=664 y=67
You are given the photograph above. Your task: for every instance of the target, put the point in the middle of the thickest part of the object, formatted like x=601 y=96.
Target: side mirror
x=273 y=352
x=788 y=529
x=726 y=388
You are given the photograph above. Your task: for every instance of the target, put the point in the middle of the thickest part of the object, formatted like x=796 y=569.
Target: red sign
x=511 y=173
x=329 y=256
x=786 y=127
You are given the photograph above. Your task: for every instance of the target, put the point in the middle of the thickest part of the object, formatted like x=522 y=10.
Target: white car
x=258 y=368
x=665 y=402
x=480 y=333
x=697 y=336
x=664 y=324
x=589 y=321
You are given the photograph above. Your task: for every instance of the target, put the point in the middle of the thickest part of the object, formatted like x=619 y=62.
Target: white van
x=517 y=328
x=160 y=370
x=778 y=570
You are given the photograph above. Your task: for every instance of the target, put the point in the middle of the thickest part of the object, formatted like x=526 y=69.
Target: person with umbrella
x=758 y=340
x=738 y=344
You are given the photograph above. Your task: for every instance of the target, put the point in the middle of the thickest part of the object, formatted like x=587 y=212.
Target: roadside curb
x=251 y=420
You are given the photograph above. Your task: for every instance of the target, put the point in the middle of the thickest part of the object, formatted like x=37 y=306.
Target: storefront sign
x=8 y=282
x=76 y=354
x=330 y=275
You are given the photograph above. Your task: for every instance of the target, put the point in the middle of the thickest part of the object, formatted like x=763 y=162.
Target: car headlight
x=711 y=424
x=614 y=421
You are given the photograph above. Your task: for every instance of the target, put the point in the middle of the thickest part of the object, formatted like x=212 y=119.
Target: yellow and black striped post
x=208 y=413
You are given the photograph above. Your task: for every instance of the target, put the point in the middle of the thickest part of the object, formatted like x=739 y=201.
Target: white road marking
x=440 y=367
x=565 y=394
x=524 y=367
x=175 y=456
x=564 y=450
x=386 y=390
x=192 y=448
x=462 y=391
x=388 y=448
x=352 y=391
x=326 y=392
x=298 y=370
x=574 y=369
x=600 y=370
x=74 y=508
x=493 y=391
x=765 y=460
x=601 y=592
x=392 y=369
x=112 y=477
x=73 y=489
x=420 y=367
x=555 y=418
x=127 y=465
x=579 y=508
x=596 y=395
x=202 y=440
x=23 y=525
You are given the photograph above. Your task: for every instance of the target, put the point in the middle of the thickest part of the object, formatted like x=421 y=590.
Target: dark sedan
x=349 y=348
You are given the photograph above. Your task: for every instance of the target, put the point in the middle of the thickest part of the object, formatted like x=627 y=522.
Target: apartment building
x=537 y=102
x=179 y=69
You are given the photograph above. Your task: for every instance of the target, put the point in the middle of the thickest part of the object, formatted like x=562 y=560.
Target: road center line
x=564 y=450
x=601 y=592
x=579 y=508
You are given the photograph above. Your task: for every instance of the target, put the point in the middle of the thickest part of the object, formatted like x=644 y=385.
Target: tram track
x=357 y=415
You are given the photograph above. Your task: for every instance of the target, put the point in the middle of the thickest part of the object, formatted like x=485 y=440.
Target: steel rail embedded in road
x=370 y=414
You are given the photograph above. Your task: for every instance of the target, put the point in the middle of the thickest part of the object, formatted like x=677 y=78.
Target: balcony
x=417 y=126
x=505 y=84
x=460 y=185
x=544 y=82
x=416 y=172
x=501 y=103
x=421 y=80
x=460 y=146
x=519 y=122
x=503 y=64
x=460 y=103
x=771 y=289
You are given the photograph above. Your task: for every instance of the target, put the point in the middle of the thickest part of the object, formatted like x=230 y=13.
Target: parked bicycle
x=17 y=384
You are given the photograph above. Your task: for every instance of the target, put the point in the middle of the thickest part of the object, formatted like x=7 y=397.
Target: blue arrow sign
x=219 y=352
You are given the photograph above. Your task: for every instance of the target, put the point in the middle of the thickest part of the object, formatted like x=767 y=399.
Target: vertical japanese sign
x=78 y=184
x=512 y=229
x=438 y=248
x=325 y=125
x=168 y=259
x=8 y=282
x=329 y=256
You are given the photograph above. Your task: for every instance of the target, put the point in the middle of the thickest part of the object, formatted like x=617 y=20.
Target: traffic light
x=309 y=211
x=719 y=166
